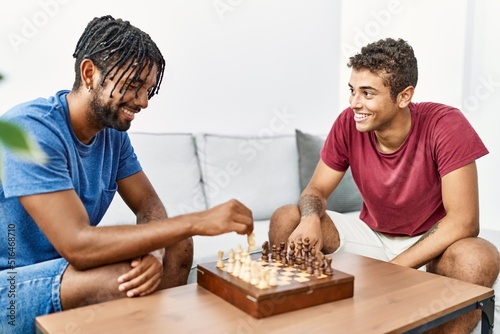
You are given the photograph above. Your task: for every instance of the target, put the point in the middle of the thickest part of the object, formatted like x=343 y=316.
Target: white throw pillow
x=170 y=163
x=260 y=172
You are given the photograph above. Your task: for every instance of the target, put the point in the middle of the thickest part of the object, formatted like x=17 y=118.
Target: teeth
x=130 y=113
x=361 y=115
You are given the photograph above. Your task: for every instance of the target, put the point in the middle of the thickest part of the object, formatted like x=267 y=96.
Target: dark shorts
x=27 y=292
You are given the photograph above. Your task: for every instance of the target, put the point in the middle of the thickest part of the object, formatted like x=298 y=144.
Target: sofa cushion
x=346 y=197
x=261 y=172
x=170 y=162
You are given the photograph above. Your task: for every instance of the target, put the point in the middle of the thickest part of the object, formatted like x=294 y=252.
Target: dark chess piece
x=317 y=270
x=265 y=251
x=299 y=249
x=309 y=266
x=274 y=249
x=329 y=269
x=291 y=254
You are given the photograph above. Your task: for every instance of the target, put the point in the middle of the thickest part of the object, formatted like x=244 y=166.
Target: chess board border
x=261 y=303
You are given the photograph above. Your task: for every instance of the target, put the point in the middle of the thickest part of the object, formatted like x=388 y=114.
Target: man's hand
x=145 y=275
x=309 y=227
x=231 y=216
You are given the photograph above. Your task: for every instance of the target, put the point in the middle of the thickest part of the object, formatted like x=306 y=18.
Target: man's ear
x=405 y=96
x=88 y=72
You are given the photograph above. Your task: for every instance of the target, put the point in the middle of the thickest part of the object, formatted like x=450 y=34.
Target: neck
x=390 y=139
x=78 y=105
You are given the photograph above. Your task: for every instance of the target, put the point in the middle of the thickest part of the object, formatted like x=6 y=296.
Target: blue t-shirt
x=91 y=170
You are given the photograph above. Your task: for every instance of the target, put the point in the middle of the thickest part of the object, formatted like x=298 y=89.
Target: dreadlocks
x=114 y=44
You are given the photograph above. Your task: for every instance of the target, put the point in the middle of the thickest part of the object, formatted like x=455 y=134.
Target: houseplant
x=14 y=138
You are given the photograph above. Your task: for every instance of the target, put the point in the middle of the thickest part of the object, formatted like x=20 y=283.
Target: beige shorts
x=356 y=237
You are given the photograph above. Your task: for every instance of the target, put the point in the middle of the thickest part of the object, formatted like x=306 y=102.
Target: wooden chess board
x=295 y=289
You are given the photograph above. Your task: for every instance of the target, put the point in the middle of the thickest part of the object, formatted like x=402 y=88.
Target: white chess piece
x=263 y=279
x=220 y=261
x=230 y=262
x=273 y=277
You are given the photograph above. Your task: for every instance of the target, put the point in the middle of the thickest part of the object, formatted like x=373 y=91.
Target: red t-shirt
x=401 y=191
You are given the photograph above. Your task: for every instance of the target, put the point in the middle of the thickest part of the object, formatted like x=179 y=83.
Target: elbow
x=76 y=259
x=471 y=227
x=77 y=254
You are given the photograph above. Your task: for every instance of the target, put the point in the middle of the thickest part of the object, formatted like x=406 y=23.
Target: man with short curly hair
x=414 y=165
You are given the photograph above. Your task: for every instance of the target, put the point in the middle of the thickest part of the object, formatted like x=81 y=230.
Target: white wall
x=237 y=66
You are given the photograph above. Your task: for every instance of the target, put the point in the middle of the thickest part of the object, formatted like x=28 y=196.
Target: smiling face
x=376 y=110
x=370 y=99
x=115 y=108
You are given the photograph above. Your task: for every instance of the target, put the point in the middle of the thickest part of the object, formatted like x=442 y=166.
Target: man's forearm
x=151 y=210
x=433 y=243
x=310 y=205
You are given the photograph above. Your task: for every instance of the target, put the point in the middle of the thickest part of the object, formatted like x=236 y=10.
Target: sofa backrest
x=170 y=162
x=261 y=172
x=194 y=172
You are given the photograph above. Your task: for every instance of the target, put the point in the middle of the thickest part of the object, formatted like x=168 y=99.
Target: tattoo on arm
x=428 y=233
x=309 y=205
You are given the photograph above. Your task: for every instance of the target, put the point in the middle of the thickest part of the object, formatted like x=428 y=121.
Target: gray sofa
x=193 y=172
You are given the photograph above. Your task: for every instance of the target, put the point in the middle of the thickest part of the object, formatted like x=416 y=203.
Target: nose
x=354 y=101
x=141 y=99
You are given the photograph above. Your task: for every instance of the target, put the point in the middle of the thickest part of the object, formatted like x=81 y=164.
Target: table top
x=387 y=298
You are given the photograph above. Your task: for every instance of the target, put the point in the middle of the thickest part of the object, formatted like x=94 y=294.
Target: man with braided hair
x=62 y=260
x=414 y=165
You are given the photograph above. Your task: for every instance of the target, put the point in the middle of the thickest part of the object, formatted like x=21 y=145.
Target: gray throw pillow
x=346 y=198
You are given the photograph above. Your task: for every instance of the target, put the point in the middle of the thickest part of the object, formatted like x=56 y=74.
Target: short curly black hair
x=113 y=44
x=392 y=57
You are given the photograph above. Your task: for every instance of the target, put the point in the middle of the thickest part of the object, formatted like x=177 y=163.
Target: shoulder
x=433 y=110
x=40 y=111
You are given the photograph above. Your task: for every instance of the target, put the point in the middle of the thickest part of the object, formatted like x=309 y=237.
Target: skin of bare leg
x=472 y=260
x=178 y=258
x=285 y=219
x=97 y=285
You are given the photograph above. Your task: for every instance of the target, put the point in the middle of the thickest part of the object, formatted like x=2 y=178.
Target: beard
x=105 y=114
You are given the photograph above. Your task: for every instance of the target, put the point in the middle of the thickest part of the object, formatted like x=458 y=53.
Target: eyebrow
x=364 y=87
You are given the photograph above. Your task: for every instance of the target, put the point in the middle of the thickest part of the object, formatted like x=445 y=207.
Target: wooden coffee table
x=387 y=299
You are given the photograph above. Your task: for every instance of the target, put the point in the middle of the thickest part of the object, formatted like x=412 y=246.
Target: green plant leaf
x=15 y=138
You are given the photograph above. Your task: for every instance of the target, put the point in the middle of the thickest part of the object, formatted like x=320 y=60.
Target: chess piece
x=283 y=258
x=306 y=249
x=273 y=277
x=274 y=250
x=254 y=273
x=265 y=251
x=317 y=271
x=263 y=279
x=236 y=269
x=291 y=254
x=309 y=266
x=230 y=261
x=220 y=261
x=328 y=269
x=243 y=268
x=251 y=242
x=300 y=249
x=246 y=276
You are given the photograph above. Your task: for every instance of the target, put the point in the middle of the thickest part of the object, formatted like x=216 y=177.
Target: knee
x=285 y=214
x=183 y=251
x=473 y=259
